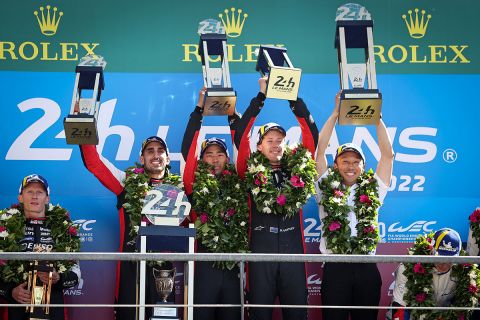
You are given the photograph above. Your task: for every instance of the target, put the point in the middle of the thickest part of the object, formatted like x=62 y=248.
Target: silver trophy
x=81 y=124
x=164 y=285
x=220 y=97
x=360 y=101
x=283 y=77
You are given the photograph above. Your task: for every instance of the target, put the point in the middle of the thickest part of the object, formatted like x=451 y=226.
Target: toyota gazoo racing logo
x=86 y=229
x=75 y=291
x=396 y=232
x=314 y=283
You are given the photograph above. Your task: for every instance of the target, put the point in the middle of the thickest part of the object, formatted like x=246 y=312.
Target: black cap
x=210 y=142
x=34 y=178
x=154 y=139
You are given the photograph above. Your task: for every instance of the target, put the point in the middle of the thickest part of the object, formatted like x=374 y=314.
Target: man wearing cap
x=43 y=228
x=155 y=162
x=349 y=199
x=446 y=242
x=273 y=228
x=214 y=282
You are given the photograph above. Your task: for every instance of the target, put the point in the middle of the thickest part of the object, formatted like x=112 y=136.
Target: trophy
x=360 y=101
x=283 y=79
x=164 y=285
x=220 y=98
x=40 y=292
x=81 y=124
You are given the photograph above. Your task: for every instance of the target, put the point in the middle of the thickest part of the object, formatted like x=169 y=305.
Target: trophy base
x=360 y=107
x=80 y=129
x=283 y=83
x=38 y=315
x=220 y=102
x=164 y=312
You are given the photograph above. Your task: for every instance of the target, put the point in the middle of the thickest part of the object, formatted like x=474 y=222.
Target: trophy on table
x=81 y=124
x=283 y=79
x=40 y=292
x=220 y=98
x=360 y=101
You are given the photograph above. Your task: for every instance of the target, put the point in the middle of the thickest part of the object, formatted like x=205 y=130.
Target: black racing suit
x=38 y=235
x=273 y=233
x=211 y=285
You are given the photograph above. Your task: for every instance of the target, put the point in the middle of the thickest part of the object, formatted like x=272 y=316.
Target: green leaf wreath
x=294 y=193
x=420 y=284
x=221 y=204
x=12 y=231
x=335 y=225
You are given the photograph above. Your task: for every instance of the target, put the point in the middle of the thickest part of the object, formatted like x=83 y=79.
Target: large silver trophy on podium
x=165 y=207
x=220 y=98
x=360 y=101
x=81 y=124
x=283 y=79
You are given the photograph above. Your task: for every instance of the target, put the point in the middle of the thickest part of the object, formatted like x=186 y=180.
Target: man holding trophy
x=36 y=226
x=279 y=181
x=220 y=214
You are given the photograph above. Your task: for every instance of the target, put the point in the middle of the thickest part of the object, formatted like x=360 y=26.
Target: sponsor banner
x=428 y=37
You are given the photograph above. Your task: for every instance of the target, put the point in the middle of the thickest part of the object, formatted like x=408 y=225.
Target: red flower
x=420 y=297
x=338 y=193
x=72 y=231
x=67 y=214
x=138 y=170
x=369 y=229
x=297 y=182
x=475 y=216
x=203 y=218
x=227 y=173
x=231 y=212
x=2 y=262
x=260 y=179
x=172 y=194
x=281 y=199
x=2 y=228
x=15 y=206
x=418 y=268
x=429 y=240
x=472 y=289
x=335 y=225
x=461 y=316
x=365 y=199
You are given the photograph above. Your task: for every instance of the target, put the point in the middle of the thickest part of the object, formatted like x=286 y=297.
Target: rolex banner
x=427 y=66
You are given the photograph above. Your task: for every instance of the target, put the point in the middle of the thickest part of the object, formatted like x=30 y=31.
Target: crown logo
x=49 y=24
x=233 y=22
x=418 y=26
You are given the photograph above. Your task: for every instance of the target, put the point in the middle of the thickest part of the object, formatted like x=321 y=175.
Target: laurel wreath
x=293 y=194
x=221 y=203
x=420 y=284
x=336 y=228
x=12 y=231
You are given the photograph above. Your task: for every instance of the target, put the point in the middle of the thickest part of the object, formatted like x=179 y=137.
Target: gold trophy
x=40 y=292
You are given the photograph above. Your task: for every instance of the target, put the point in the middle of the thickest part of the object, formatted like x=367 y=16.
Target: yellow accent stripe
x=440 y=238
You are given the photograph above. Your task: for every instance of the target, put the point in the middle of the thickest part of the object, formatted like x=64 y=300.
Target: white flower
x=267 y=210
x=65 y=222
x=20 y=269
x=337 y=200
x=255 y=191
x=50 y=207
x=61 y=268
x=335 y=184
x=260 y=167
x=4 y=217
x=204 y=190
x=215 y=239
x=135 y=228
x=228 y=198
x=298 y=205
x=426 y=290
x=267 y=202
x=67 y=249
x=4 y=234
x=237 y=186
x=474 y=300
x=243 y=223
x=211 y=204
x=13 y=211
x=364 y=182
x=473 y=282
x=472 y=274
x=302 y=166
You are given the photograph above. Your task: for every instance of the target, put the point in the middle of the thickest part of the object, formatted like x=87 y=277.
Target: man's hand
x=43 y=276
x=21 y=294
x=201 y=98
x=263 y=84
x=336 y=110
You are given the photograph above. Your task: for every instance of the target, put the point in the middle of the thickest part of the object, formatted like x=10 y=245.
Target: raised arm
x=324 y=137
x=307 y=124
x=244 y=126
x=110 y=176
x=385 y=164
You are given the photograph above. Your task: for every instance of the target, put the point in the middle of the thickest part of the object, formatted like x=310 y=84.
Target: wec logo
x=314 y=279
x=417 y=226
x=84 y=225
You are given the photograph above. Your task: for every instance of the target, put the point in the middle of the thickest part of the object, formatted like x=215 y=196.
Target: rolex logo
x=233 y=21
x=48 y=23
x=416 y=26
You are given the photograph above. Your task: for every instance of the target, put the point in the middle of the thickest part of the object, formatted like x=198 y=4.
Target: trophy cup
x=40 y=292
x=360 y=101
x=164 y=284
x=283 y=79
x=220 y=98
x=81 y=124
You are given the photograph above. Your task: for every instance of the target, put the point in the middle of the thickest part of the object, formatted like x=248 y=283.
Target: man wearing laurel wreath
x=220 y=214
x=349 y=199
x=39 y=227
x=130 y=187
x=279 y=180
